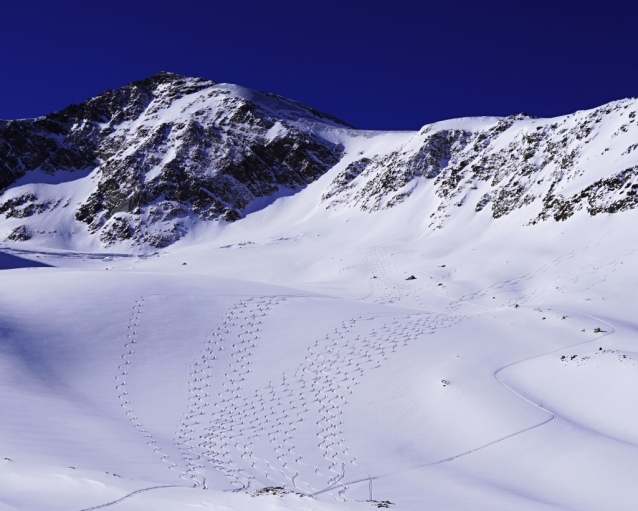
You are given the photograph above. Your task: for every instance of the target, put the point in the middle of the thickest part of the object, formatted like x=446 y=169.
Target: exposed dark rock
x=116 y=229
x=483 y=202
x=513 y=162
x=611 y=195
x=23 y=206
x=278 y=491
x=227 y=147
x=20 y=233
x=388 y=181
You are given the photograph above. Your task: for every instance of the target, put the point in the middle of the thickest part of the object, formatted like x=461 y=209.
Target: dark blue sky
x=379 y=65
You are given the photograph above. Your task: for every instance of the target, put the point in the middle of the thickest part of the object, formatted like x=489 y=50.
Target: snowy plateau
x=214 y=298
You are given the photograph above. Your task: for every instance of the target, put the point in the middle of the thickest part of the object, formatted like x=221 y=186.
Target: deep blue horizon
x=376 y=65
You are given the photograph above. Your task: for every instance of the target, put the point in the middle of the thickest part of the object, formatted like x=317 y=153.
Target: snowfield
x=319 y=355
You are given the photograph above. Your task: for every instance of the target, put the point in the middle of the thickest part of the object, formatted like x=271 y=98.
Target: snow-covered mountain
x=156 y=155
x=215 y=298
x=140 y=166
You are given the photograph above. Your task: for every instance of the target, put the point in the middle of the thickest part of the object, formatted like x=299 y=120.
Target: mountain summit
x=161 y=153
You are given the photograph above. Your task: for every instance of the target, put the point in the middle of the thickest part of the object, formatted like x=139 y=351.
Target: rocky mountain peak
x=129 y=101
x=164 y=153
x=547 y=168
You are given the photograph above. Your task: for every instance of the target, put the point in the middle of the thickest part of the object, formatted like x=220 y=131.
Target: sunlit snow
x=292 y=350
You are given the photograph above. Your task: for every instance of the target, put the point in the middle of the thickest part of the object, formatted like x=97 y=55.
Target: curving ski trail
x=552 y=415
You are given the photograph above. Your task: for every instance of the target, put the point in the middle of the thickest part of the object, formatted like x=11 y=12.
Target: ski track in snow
x=341 y=364
x=129 y=495
x=123 y=394
x=337 y=365
x=209 y=438
x=390 y=293
x=250 y=434
x=253 y=433
x=533 y=294
x=391 y=290
x=552 y=415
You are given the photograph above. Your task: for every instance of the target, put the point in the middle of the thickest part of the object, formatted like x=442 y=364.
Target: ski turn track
x=336 y=364
x=210 y=432
x=382 y=263
x=121 y=386
x=270 y=424
x=260 y=435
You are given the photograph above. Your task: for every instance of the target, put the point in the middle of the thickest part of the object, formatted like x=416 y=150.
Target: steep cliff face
x=165 y=151
x=586 y=160
x=141 y=165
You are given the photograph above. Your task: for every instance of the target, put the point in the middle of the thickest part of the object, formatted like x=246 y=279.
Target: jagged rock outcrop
x=506 y=164
x=166 y=150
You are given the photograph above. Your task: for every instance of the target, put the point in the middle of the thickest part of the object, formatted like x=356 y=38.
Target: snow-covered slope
x=442 y=319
